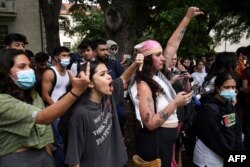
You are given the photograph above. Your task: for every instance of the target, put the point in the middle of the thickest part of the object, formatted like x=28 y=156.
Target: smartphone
x=183 y=72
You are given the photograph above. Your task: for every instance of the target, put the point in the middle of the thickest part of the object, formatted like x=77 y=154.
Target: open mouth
x=110 y=86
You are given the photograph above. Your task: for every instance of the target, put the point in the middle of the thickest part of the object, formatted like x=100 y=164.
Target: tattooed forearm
x=150 y=104
x=163 y=115
x=182 y=34
x=159 y=123
x=147 y=118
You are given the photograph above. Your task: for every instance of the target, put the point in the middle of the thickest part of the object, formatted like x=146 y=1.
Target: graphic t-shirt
x=94 y=136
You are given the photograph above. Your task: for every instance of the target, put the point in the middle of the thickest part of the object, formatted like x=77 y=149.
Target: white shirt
x=204 y=156
x=199 y=77
x=61 y=84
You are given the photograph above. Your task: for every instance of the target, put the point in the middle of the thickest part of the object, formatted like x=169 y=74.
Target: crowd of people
x=67 y=109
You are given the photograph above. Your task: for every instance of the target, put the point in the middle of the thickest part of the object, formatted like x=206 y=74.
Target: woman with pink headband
x=154 y=98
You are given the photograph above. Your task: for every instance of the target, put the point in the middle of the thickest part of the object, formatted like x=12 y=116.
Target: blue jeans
x=59 y=152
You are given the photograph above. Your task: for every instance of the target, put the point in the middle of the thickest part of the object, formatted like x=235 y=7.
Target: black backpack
x=188 y=132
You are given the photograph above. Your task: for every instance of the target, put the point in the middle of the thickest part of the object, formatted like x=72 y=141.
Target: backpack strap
x=54 y=81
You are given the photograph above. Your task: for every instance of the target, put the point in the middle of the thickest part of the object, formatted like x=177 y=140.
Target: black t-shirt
x=94 y=136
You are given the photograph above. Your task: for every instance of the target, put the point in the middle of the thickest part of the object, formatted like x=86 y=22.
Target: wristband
x=76 y=96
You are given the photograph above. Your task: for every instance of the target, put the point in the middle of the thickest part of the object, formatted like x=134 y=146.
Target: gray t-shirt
x=94 y=136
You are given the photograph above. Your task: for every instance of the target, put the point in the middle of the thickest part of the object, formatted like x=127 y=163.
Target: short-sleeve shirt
x=17 y=125
x=94 y=136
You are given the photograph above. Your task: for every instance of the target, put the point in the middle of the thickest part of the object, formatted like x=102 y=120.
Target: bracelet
x=76 y=96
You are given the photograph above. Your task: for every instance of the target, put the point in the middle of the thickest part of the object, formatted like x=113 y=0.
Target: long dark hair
x=220 y=79
x=146 y=75
x=7 y=85
x=225 y=62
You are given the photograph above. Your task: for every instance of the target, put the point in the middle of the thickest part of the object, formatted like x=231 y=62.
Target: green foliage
x=227 y=19
x=86 y=24
x=196 y=41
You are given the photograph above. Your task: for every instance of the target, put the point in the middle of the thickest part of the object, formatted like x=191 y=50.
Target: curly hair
x=7 y=85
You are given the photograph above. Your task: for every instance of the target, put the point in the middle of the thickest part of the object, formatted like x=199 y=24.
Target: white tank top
x=162 y=99
x=61 y=84
x=162 y=102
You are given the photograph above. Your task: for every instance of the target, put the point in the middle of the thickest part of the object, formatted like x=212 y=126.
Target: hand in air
x=80 y=83
x=139 y=60
x=194 y=11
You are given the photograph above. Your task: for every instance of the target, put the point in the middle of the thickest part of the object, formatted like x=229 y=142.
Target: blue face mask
x=26 y=79
x=228 y=94
x=65 y=62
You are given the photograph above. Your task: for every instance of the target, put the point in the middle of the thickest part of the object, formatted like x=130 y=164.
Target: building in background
x=227 y=46
x=24 y=17
x=66 y=40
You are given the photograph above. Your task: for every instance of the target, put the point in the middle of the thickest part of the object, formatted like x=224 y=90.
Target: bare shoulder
x=48 y=75
x=144 y=88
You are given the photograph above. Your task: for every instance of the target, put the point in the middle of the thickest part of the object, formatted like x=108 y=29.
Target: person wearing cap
x=15 y=41
x=154 y=98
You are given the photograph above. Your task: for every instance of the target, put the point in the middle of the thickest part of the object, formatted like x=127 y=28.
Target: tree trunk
x=124 y=24
x=51 y=11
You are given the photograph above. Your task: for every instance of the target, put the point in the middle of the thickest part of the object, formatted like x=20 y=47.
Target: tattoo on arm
x=182 y=34
x=150 y=104
x=163 y=115
x=147 y=118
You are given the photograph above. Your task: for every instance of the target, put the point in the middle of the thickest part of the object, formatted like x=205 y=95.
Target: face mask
x=65 y=62
x=228 y=94
x=26 y=79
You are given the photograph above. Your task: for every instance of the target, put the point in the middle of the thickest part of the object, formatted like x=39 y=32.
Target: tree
x=128 y=22
x=125 y=21
x=51 y=11
x=237 y=20
x=89 y=22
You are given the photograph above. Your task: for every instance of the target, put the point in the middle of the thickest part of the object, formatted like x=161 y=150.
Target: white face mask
x=65 y=62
